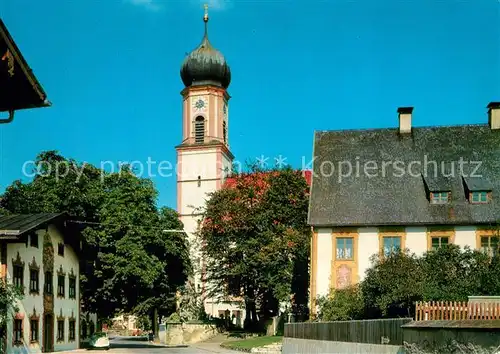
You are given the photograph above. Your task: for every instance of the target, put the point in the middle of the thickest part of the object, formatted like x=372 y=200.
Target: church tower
x=203 y=156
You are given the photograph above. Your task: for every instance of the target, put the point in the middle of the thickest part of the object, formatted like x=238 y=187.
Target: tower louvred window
x=199 y=130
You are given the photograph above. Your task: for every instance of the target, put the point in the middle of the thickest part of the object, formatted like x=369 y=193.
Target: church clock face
x=200 y=104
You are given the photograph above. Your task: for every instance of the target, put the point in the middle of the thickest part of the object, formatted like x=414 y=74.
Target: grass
x=246 y=345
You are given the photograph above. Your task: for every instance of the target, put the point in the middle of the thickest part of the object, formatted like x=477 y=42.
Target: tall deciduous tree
x=129 y=262
x=256 y=240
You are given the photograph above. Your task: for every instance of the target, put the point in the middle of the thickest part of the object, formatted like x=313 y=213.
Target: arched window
x=224 y=131
x=199 y=181
x=199 y=130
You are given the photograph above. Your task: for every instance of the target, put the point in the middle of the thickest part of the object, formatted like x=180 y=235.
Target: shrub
x=174 y=317
x=392 y=285
x=341 y=305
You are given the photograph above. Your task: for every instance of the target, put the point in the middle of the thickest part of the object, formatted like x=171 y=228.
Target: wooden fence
x=383 y=331
x=454 y=310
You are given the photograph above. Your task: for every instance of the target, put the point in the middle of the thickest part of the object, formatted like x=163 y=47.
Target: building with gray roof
x=419 y=188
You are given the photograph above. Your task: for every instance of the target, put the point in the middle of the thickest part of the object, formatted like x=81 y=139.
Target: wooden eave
x=32 y=97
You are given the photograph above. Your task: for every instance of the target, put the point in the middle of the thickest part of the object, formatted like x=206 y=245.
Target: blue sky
x=111 y=70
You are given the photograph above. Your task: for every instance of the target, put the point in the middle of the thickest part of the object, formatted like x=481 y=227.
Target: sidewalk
x=213 y=345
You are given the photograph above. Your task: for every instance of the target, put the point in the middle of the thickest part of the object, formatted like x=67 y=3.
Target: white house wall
x=29 y=301
x=367 y=246
x=416 y=240
x=465 y=236
x=35 y=302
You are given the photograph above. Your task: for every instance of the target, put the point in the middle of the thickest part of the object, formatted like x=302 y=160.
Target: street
x=133 y=345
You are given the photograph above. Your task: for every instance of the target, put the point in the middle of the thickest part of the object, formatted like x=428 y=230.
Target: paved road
x=132 y=345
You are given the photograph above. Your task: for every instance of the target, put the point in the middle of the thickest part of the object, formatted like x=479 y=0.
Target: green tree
x=453 y=274
x=254 y=235
x=9 y=295
x=392 y=285
x=342 y=305
x=144 y=323
x=129 y=263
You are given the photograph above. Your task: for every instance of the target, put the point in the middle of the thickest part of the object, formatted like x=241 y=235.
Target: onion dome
x=205 y=65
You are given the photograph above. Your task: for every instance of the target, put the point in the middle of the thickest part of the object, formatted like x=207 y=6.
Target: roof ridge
x=396 y=128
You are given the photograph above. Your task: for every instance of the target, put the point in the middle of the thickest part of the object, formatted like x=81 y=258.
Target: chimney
x=494 y=115
x=405 y=119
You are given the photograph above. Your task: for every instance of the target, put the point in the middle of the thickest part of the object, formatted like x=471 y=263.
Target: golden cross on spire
x=205 y=18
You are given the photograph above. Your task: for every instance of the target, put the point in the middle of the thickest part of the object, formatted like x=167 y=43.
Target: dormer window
x=478 y=197
x=477 y=190
x=440 y=197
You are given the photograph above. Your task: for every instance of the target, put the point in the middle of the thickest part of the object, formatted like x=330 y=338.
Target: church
x=204 y=157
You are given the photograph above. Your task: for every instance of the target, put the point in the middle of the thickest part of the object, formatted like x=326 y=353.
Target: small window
x=60 y=330
x=490 y=245
x=48 y=283
x=391 y=244
x=479 y=197
x=60 y=285
x=34 y=288
x=34 y=330
x=60 y=249
x=72 y=330
x=18 y=331
x=34 y=240
x=345 y=248
x=439 y=241
x=440 y=197
x=18 y=278
x=199 y=130
x=199 y=181
x=72 y=288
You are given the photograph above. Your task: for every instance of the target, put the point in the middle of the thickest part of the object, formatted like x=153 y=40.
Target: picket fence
x=455 y=310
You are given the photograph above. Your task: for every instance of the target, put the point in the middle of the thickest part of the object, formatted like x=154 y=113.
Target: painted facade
x=340 y=257
x=48 y=270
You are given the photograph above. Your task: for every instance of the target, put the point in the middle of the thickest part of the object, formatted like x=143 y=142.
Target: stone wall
x=393 y=336
x=451 y=336
x=296 y=345
x=186 y=333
